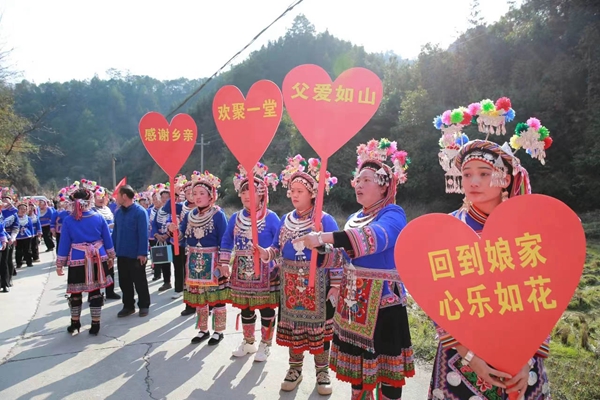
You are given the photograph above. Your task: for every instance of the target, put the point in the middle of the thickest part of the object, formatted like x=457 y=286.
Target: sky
x=61 y=40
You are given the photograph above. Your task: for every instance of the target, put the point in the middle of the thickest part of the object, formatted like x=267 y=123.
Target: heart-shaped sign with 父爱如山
x=248 y=125
x=500 y=294
x=169 y=145
x=328 y=114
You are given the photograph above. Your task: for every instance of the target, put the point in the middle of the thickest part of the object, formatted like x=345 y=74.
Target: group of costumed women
x=354 y=318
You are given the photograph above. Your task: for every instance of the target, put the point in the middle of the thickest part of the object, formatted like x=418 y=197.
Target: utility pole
x=114 y=171
x=202 y=144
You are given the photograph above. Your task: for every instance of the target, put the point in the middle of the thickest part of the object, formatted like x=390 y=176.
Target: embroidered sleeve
x=110 y=252
x=333 y=258
x=273 y=253
x=228 y=238
x=224 y=256
x=220 y=221
x=53 y=222
x=61 y=261
x=446 y=340
x=275 y=249
x=544 y=350
x=376 y=237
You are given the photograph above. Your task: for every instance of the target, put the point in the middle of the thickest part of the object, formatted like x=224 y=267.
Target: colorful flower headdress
x=262 y=179
x=378 y=152
x=182 y=182
x=100 y=192
x=492 y=117
x=210 y=181
x=8 y=192
x=457 y=149
x=89 y=185
x=533 y=137
x=306 y=172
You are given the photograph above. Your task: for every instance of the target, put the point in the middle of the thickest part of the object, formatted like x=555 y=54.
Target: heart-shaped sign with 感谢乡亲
x=328 y=114
x=169 y=145
x=500 y=294
x=248 y=125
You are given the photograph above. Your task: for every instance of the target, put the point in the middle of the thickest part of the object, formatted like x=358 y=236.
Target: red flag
x=122 y=183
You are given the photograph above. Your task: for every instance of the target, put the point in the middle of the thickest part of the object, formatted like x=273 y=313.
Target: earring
x=466 y=204
x=504 y=195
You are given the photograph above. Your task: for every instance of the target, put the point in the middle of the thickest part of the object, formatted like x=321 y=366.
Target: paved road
x=133 y=358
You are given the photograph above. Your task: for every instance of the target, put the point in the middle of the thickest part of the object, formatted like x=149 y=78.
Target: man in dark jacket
x=130 y=237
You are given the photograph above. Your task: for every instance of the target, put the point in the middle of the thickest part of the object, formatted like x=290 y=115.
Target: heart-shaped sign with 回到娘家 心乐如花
x=499 y=294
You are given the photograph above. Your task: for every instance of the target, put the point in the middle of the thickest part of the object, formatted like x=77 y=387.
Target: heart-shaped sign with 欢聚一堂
x=248 y=125
x=170 y=145
x=328 y=114
x=500 y=294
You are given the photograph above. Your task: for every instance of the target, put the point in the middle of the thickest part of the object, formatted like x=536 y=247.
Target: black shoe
x=126 y=312
x=155 y=278
x=30 y=265
x=15 y=272
x=5 y=289
x=188 y=311
x=95 y=328
x=144 y=312
x=215 y=339
x=202 y=336
x=164 y=287
x=75 y=326
x=113 y=296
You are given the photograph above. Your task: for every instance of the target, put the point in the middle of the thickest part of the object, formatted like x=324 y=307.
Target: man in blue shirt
x=130 y=238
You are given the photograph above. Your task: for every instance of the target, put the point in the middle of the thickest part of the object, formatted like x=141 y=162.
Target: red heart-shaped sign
x=329 y=114
x=170 y=145
x=248 y=125
x=500 y=294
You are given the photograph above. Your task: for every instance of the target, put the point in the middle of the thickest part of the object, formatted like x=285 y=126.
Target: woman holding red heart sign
x=250 y=291
x=305 y=312
x=205 y=282
x=371 y=344
x=487 y=174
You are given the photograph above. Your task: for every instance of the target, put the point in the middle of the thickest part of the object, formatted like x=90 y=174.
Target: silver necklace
x=200 y=225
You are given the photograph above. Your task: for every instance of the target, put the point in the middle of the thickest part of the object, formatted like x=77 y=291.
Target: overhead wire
x=203 y=85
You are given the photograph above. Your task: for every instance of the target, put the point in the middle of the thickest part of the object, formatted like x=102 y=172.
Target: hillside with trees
x=544 y=55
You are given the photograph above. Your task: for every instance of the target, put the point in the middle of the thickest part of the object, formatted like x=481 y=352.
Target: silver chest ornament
x=453 y=378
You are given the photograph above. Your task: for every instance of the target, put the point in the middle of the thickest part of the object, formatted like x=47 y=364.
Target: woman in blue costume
x=181 y=209
x=63 y=210
x=487 y=174
x=33 y=212
x=206 y=283
x=305 y=313
x=86 y=248
x=27 y=233
x=250 y=292
x=101 y=207
x=371 y=344
x=161 y=235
